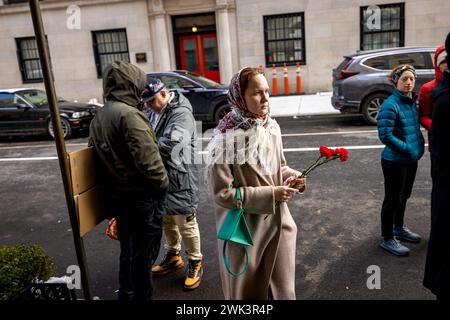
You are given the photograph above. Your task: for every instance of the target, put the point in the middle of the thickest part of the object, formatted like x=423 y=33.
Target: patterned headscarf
x=239 y=117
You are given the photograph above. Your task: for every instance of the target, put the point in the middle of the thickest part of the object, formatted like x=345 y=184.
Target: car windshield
x=37 y=97
x=202 y=80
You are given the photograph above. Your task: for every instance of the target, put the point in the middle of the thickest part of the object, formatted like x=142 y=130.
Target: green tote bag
x=235 y=229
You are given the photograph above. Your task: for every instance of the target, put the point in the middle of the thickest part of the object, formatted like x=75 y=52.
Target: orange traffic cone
x=274 y=81
x=299 y=79
x=286 y=80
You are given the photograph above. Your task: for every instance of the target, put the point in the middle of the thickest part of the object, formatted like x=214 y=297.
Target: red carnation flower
x=343 y=154
x=325 y=152
x=326 y=155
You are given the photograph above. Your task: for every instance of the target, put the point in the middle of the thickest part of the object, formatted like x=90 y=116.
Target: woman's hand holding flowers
x=284 y=193
x=297 y=182
x=326 y=154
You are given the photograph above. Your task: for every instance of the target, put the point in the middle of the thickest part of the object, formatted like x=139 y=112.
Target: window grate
x=109 y=46
x=284 y=39
x=28 y=57
x=388 y=31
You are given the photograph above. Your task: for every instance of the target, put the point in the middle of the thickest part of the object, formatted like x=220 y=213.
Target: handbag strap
x=238 y=198
x=227 y=265
x=225 y=259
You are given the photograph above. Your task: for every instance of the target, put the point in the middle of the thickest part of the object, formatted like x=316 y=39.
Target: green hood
x=123 y=82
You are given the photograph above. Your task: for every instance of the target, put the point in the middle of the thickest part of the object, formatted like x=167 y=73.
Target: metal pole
x=60 y=144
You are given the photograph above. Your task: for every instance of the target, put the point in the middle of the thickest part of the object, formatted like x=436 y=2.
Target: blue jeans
x=139 y=230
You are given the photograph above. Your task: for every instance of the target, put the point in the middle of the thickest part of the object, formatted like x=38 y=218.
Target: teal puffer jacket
x=399 y=129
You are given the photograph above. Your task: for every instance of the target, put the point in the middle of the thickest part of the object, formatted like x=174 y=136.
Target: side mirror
x=189 y=87
x=23 y=106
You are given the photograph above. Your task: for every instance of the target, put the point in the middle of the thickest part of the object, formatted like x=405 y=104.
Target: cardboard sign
x=90 y=209
x=82 y=170
x=87 y=191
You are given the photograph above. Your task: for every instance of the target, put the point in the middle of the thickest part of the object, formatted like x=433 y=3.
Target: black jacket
x=128 y=156
x=437 y=268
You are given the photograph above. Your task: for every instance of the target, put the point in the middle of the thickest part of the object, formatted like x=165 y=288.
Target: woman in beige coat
x=246 y=152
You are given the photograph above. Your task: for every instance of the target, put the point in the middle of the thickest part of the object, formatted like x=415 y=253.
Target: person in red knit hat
x=425 y=107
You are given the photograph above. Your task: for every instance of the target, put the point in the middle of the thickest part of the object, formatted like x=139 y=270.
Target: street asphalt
x=338 y=218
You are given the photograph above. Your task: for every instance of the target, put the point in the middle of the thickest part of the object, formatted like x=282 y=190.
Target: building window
x=109 y=46
x=28 y=56
x=14 y=1
x=384 y=28
x=284 y=39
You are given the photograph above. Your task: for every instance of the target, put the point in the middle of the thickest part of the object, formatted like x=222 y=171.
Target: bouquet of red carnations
x=326 y=155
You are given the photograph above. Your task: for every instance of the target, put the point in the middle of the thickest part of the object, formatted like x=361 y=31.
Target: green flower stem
x=320 y=161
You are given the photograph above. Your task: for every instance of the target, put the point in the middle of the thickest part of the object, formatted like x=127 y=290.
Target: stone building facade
x=213 y=37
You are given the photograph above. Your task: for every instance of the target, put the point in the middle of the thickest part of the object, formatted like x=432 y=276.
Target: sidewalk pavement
x=301 y=105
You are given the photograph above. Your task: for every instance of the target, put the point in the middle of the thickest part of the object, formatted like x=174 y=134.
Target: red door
x=199 y=54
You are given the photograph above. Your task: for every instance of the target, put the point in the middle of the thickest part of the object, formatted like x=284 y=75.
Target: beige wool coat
x=271 y=268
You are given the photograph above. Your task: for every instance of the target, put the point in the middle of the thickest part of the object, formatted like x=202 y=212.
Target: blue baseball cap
x=152 y=88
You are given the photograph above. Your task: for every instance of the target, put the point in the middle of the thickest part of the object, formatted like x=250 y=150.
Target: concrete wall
x=71 y=51
x=331 y=31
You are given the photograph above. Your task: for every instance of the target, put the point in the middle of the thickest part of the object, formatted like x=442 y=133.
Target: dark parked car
x=360 y=83
x=26 y=112
x=208 y=98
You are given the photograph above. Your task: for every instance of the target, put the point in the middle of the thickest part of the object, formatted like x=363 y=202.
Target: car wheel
x=371 y=106
x=221 y=111
x=65 y=126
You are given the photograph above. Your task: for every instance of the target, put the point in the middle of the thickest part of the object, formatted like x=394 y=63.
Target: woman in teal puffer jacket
x=399 y=129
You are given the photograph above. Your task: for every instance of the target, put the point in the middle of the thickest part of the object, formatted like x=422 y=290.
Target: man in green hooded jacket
x=133 y=174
